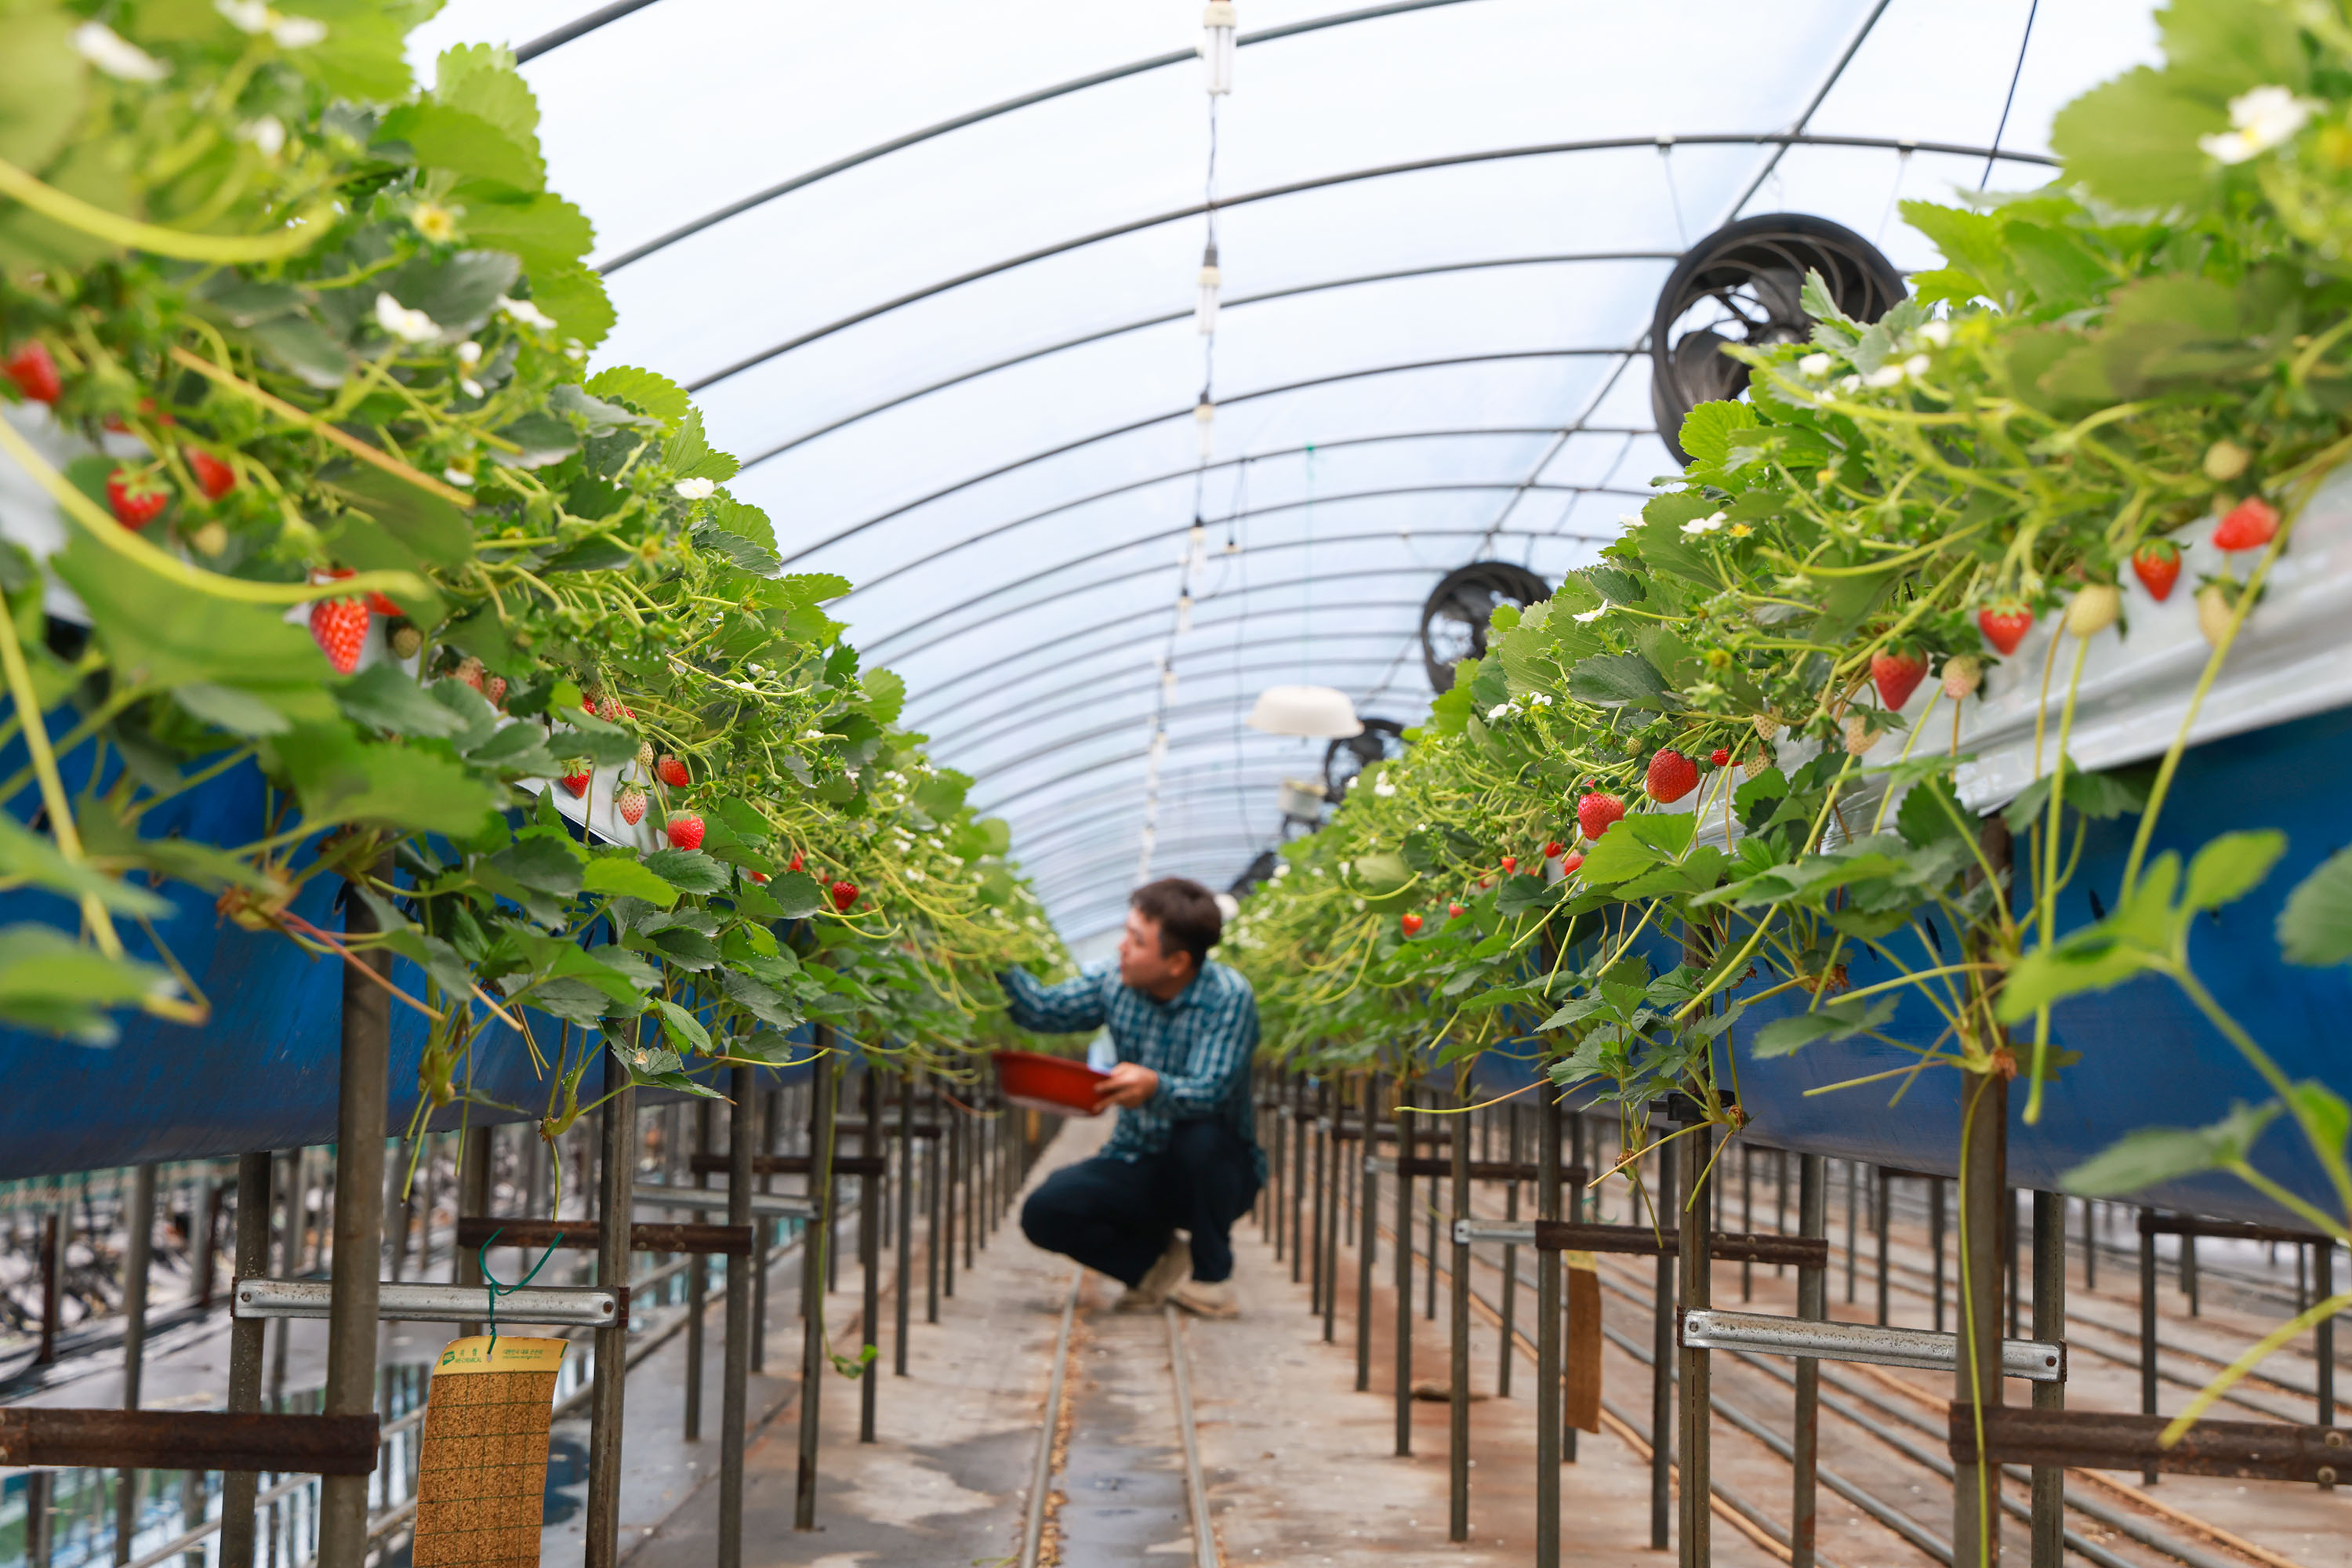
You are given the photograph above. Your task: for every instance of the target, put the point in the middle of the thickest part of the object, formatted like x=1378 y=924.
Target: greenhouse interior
x=1279 y=782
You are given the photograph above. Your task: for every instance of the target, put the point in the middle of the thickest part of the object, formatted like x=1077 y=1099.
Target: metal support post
x=2323 y=1345
x=943 y=1239
x=1884 y=1191
x=1747 y=1217
x=1334 y=1106
x=1812 y=1304
x=2146 y=1329
x=238 y=1487
x=1935 y=1245
x=1975 y=1369
x=616 y=1202
x=767 y=1113
x=357 y=1261
x=1696 y=1365
x=473 y=1198
x=139 y=1218
x=1403 y=1268
x=1853 y=1215
x=1547 y=1336
x=933 y=1150
x=815 y=1246
x=869 y=1253
x=52 y=1295
x=906 y=1195
x=1514 y=1152
x=1318 y=1129
x=1298 y=1178
x=697 y=1286
x=2090 y=1244
x=1574 y=1203
x=2049 y=1515
x=1661 y=1366
x=735 y=1367
x=1457 y=1438
x=1368 y=1232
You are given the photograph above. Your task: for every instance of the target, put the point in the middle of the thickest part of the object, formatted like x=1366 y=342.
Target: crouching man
x=1182 y=1158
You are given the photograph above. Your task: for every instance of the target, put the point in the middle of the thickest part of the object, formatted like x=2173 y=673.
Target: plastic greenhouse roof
x=954 y=343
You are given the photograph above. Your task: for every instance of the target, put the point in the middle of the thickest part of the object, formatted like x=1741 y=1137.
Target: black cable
x=1994 y=152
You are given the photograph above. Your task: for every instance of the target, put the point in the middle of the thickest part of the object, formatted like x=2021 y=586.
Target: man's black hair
x=1187 y=914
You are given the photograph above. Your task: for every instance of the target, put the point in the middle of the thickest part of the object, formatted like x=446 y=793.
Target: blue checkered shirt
x=1200 y=1045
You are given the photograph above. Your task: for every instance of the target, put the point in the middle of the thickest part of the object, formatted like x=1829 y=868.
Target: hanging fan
x=1454 y=618
x=1382 y=740
x=1740 y=284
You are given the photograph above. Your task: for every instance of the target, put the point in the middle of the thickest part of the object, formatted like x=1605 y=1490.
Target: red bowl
x=1063 y=1085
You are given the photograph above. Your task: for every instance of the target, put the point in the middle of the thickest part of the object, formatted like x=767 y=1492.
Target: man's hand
x=1128 y=1085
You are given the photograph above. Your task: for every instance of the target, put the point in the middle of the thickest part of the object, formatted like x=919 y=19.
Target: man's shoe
x=1146 y=1294
x=1206 y=1300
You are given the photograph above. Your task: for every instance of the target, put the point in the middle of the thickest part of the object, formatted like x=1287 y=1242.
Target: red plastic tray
x=1063 y=1085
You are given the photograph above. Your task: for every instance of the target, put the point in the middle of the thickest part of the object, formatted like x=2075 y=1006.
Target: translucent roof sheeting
x=961 y=366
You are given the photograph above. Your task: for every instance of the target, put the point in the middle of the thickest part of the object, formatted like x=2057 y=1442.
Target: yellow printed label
x=1584 y=1260
x=514 y=1355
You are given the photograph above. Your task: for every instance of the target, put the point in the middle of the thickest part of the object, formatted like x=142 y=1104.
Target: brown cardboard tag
x=1583 y=1404
x=481 y=1474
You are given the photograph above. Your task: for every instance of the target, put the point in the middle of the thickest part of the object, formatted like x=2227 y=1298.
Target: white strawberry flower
x=268 y=134
x=1849 y=385
x=458 y=477
x=1589 y=616
x=524 y=311
x=1915 y=366
x=1939 y=333
x=1814 y=365
x=1382 y=788
x=1704 y=524
x=409 y=326
x=245 y=15
x=117 y=56
x=2260 y=119
x=1500 y=711
x=1884 y=375
x=695 y=489
x=295 y=32
x=470 y=387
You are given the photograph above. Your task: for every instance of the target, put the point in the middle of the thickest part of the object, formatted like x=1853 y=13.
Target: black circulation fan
x=1381 y=741
x=1454 y=618
x=1741 y=285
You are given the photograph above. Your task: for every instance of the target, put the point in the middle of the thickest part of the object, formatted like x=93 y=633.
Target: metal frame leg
x=1368 y=1221
x=1548 y=1338
x=813 y=1259
x=1976 y=1371
x=1403 y=1276
x=2146 y=1330
x=1696 y=1365
x=616 y=1179
x=1812 y=1304
x=1661 y=1371
x=1457 y=1442
x=869 y=1256
x=2049 y=1515
x=238 y=1487
x=352 y=1331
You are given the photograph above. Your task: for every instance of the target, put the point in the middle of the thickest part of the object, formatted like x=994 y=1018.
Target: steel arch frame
x=1781 y=139
x=564 y=35
x=1214 y=781
x=996 y=807
x=1239 y=302
x=1369 y=372
x=1075 y=590
x=1209 y=670
x=1056 y=836
x=1172 y=475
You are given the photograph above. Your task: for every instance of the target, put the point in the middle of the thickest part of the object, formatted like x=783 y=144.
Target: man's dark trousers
x=1115 y=1216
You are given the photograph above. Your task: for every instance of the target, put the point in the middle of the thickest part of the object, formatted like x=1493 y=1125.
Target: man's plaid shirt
x=1200 y=1045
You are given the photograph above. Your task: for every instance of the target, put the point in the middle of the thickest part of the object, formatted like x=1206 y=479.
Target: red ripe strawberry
x=2249 y=525
x=1453 y=911
x=340 y=628
x=797 y=862
x=1672 y=776
x=577 y=783
x=1552 y=850
x=1598 y=812
x=2157 y=564
x=630 y=802
x=1410 y=923
x=135 y=505
x=672 y=772
x=379 y=605
x=685 y=830
x=214 y=477
x=1720 y=757
x=2004 y=624
x=34 y=373
x=1897 y=672
x=1510 y=862
x=758 y=875
x=844 y=895
x=1570 y=865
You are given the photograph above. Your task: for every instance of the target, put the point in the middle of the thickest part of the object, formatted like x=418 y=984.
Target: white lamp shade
x=1317 y=711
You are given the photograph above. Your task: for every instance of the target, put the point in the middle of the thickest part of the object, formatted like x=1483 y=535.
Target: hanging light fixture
x=1183 y=613
x=1204 y=305
x=1196 y=547
x=1204 y=425
x=1217 y=46
x=1320 y=711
